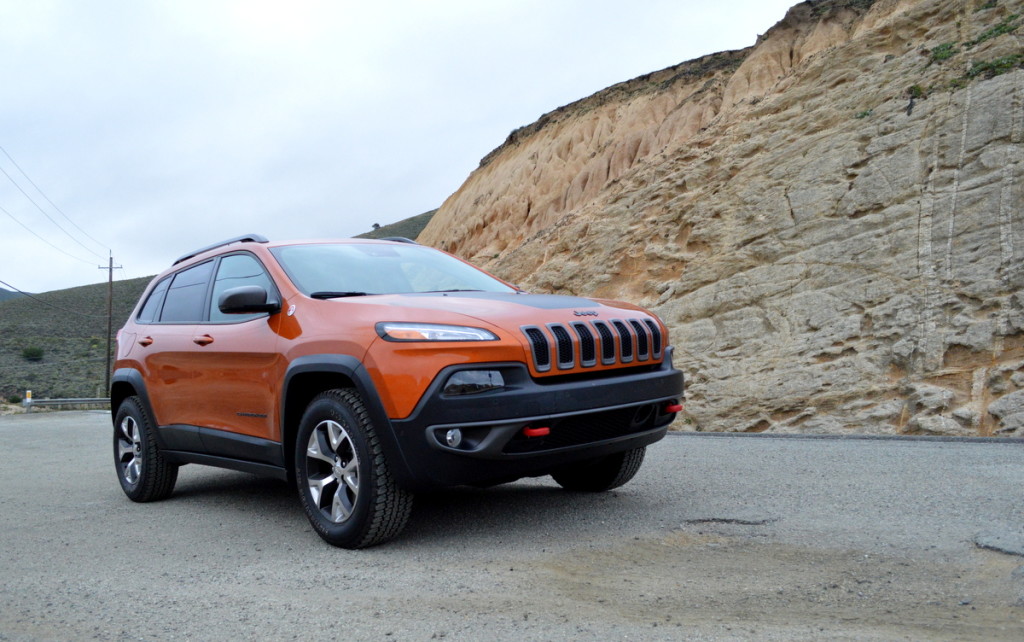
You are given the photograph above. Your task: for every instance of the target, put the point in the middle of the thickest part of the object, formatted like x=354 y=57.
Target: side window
x=237 y=270
x=151 y=308
x=186 y=297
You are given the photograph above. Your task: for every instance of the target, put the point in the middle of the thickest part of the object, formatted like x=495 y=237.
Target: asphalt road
x=717 y=538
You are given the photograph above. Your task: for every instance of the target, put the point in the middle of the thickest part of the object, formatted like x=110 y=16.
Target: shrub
x=1006 y=26
x=999 y=66
x=32 y=353
x=944 y=52
x=14 y=399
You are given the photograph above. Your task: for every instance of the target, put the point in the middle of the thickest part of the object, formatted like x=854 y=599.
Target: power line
x=33 y=233
x=54 y=205
x=57 y=307
x=50 y=218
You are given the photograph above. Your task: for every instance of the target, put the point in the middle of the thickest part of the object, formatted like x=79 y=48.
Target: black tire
x=345 y=484
x=604 y=473
x=144 y=474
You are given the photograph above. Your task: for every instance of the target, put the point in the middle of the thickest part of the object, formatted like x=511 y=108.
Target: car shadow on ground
x=516 y=511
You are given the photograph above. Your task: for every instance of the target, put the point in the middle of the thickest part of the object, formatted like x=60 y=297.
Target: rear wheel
x=344 y=481
x=601 y=474
x=144 y=474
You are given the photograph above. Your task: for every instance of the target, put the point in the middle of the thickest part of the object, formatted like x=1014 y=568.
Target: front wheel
x=144 y=474
x=601 y=474
x=344 y=482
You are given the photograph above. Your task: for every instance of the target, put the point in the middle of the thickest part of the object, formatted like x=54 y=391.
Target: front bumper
x=612 y=412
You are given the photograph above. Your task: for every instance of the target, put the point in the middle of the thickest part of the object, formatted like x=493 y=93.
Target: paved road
x=716 y=538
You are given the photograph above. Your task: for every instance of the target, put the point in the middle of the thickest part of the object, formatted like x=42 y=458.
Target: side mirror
x=247 y=299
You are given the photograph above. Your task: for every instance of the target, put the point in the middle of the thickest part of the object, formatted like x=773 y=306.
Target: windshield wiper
x=434 y=291
x=336 y=295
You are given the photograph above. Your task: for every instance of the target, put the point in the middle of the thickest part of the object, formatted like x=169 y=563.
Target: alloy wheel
x=129 y=450
x=332 y=470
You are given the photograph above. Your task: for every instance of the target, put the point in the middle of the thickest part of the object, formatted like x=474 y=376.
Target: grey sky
x=158 y=127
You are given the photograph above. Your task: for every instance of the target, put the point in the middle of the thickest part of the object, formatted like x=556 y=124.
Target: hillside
x=408 y=228
x=70 y=327
x=7 y=294
x=830 y=221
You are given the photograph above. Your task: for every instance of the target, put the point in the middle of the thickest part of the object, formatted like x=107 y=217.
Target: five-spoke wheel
x=144 y=474
x=129 y=449
x=332 y=467
x=345 y=483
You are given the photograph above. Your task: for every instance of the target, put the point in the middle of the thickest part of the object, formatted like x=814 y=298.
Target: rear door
x=171 y=313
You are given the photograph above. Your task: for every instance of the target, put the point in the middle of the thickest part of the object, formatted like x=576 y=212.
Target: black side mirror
x=247 y=299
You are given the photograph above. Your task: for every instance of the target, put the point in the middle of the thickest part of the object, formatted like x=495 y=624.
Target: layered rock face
x=830 y=222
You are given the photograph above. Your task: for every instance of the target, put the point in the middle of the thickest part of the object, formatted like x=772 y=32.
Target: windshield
x=340 y=270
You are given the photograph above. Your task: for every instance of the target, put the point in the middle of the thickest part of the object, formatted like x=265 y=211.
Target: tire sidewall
x=130 y=408
x=351 y=531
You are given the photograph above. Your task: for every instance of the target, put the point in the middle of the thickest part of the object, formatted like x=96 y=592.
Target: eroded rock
x=837 y=225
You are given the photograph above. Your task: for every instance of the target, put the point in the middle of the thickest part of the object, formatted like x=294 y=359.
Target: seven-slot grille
x=587 y=343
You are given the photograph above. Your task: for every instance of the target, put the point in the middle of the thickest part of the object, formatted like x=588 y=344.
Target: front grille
x=625 y=341
x=588 y=349
x=582 y=343
x=642 y=350
x=655 y=338
x=539 y=348
x=607 y=343
x=566 y=354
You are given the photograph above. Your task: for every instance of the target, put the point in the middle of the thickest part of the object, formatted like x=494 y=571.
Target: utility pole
x=110 y=313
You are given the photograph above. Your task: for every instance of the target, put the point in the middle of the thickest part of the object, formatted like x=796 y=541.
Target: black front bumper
x=609 y=412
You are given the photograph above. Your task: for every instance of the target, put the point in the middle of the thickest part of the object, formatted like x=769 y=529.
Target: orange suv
x=365 y=371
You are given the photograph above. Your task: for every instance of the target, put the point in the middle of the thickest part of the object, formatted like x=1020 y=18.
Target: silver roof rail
x=247 y=238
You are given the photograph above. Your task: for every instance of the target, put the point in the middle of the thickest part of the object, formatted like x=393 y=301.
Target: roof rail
x=398 y=239
x=253 y=238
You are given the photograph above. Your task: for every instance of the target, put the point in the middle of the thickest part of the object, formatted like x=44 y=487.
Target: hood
x=510 y=309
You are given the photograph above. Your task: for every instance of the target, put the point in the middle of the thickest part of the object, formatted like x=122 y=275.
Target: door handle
x=145 y=342
x=203 y=340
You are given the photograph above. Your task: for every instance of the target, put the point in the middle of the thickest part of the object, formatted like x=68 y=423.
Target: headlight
x=394 y=331
x=471 y=382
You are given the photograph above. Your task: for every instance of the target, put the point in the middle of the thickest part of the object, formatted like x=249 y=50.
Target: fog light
x=471 y=382
x=453 y=437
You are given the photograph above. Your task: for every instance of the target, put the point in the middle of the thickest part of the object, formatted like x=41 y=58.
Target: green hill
x=7 y=294
x=70 y=327
x=409 y=228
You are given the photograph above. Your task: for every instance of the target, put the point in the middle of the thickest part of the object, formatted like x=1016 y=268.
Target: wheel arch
x=307 y=377
x=128 y=382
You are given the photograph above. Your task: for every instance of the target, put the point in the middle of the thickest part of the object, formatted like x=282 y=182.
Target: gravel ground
x=717 y=538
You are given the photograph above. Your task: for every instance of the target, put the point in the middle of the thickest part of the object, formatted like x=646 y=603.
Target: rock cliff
x=830 y=221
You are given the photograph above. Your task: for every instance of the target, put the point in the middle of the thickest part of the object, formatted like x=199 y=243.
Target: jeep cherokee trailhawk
x=365 y=371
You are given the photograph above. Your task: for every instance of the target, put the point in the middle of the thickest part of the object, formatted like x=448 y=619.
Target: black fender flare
x=353 y=370
x=134 y=379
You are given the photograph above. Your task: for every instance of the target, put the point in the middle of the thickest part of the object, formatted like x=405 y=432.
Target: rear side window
x=186 y=298
x=151 y=309
x=234 y=271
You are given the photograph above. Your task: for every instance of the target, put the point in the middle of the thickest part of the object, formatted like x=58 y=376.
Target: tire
x=144 y=474
x=345 y=484
x=604 y=473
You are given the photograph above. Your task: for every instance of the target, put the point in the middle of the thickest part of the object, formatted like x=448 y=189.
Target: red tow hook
x=540 y=431
x=673 y=407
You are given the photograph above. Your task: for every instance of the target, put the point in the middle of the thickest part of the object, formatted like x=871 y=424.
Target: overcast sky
x=152 y=128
